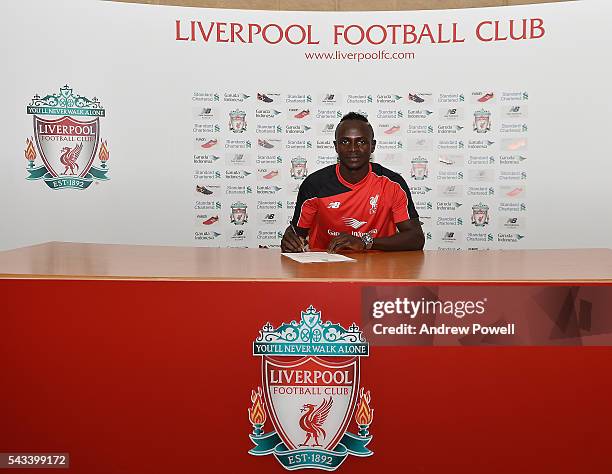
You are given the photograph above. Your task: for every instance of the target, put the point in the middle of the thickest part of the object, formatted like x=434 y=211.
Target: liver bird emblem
x=312 y=421
x=69 y=158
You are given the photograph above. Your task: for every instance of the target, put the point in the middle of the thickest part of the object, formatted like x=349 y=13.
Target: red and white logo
x=300 y=395
x=310 y=391
x=352 y=222
x=373 y=204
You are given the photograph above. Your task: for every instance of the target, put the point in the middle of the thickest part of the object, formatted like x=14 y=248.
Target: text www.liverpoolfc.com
x=359 y=56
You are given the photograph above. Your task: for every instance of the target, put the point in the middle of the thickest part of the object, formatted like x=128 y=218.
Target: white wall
x=127 y=56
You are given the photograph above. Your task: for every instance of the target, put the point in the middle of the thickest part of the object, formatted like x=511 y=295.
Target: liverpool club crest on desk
x=310 y=397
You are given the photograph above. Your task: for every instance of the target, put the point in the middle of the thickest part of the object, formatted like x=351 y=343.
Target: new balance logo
x=354 y=223
x=334 y=205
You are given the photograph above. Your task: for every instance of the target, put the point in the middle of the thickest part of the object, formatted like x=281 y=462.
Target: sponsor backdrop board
x=146 y=124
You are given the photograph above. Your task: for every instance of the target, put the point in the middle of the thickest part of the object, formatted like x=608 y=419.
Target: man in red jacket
x=355 y=204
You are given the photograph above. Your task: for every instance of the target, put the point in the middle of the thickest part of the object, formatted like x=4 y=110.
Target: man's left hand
x=345 y=242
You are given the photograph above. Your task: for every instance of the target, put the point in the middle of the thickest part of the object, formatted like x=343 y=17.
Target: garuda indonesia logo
x=67 y=145
x=311 y=394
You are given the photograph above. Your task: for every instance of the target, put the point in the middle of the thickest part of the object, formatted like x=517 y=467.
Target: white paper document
x=318 y=257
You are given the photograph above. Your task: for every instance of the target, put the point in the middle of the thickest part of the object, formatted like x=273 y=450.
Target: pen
x=297 y=235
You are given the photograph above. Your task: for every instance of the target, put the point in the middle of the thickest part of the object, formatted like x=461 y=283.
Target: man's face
x=354 y=144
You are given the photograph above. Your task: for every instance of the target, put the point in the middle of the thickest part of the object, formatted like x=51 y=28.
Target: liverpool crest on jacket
x=310 y=395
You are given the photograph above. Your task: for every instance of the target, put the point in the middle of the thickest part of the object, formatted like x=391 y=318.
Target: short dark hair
x=355 y=116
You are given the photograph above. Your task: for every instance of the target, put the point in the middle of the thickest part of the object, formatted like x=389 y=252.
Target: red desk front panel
x=156 y=377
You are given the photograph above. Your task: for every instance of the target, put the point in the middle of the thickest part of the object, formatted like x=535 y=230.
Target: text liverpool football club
x=486 y=31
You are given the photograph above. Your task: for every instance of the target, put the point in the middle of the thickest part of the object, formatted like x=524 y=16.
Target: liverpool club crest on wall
x=482 y=121
x=310 y=394
x=237 y=122
x=480 y=215
x=67 y=138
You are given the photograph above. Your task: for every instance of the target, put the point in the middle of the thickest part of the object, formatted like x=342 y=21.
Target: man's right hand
x=291 y=242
